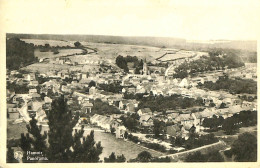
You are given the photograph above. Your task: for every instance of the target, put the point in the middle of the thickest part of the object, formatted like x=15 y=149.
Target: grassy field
x=62 y=52
x=15 y=130
x=111 y=51
x=51 y=42
x=104 y=51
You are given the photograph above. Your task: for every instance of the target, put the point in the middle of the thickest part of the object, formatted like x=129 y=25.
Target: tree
x=222 y=105
x=64 y=144
x=159 y=127
x=10 y=156
x=126 y=135
x=113 y=158
x=195 y=157
x=102 y=108
x=112 y=129
x=85 y=151
x=215 y=156
x=92 y=83
x=77 y=44
x=38 y=140
x=61 y=125
x=122 y=63
x=25 y=145
x=229 y=125
x=21 y=52
x=144 y=156
x=245 y=148
x=121 y=158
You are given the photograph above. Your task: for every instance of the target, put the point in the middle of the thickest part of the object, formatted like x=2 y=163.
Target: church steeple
x=145 y=69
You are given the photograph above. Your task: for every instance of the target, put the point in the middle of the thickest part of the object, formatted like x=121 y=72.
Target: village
x=126 y=95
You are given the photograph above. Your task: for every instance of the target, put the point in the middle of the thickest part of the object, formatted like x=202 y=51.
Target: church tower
x=145 y=69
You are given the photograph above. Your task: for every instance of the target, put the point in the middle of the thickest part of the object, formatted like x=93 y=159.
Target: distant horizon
x=134 y=36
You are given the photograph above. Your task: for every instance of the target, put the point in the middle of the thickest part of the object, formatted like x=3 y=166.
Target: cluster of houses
x=39 y=97
x=108 y=123
x=247 y=72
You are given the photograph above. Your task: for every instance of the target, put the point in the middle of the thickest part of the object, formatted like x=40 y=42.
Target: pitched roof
x=184 y=117
x=145 y=117
x=87 y=104
x=146 y=110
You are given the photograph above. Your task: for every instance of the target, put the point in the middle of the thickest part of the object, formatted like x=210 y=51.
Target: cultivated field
x=102 y=52
x=111 y=51
x=62 y=52
x=46 y=67
x=53 y=43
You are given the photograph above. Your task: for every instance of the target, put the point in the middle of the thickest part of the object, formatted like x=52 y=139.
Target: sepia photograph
x=129 y=82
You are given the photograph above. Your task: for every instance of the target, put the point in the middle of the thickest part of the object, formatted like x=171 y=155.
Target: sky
x=189 y=19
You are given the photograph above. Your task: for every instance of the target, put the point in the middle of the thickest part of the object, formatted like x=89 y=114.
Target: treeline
x=115 y=159
x=131 y=122
x=54 y=49
x=18 y=89
x=244 y=149
x=194 y=140
x=217 y=60
x=236 y=86
x=231 y=124
x=153 y=146
x=161 y=103
x=103 y=108
x=121 y=62
x=112 y=87
x=213 y=156
x=137 y=96
x=18 y=53
x=147 y=157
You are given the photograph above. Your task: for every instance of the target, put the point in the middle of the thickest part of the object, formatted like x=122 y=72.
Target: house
x=172 y=116
x=124 y=90
x=224 y=112
x=173 y=130
x=47 y=100
x=92 y=90
x=130 y=107
x=34 y=83
x=35 y=96
x=120 y=131
x=146 y=120
x=144 y=111
x=235 y=109
x=187 y=120
x=122 y=104
x=87 y=106
x=31 y=91
x=184 y=83
x=141 y=90
x=27 y=77
x=115 y=123
x=12 y=111
x=250 y=65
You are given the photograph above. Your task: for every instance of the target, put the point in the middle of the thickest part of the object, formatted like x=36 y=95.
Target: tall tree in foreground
x=64 y=144
x=61 y=123
x=10 y=156
x=144 y=156
x=245 y=148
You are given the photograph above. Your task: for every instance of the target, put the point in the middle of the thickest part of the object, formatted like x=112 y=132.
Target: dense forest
x=161 y=103
x=217 y=60
x=18 y=53
x=236 y=86
x=121 y=62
